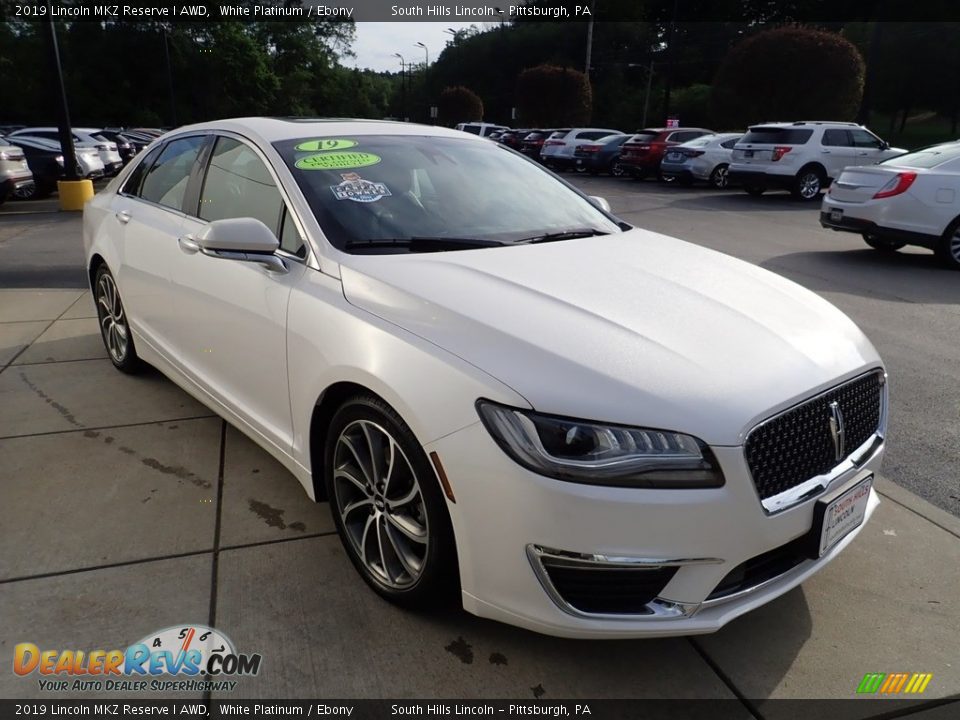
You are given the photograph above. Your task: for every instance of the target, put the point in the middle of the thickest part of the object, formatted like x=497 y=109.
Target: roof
x=273 y=129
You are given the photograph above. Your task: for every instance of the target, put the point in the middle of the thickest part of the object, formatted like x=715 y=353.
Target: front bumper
x=504 y=515
x=9 y=184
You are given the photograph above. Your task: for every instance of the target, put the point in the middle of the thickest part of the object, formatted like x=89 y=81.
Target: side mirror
x=600 y=202
x=243 y=239
x=884 y=145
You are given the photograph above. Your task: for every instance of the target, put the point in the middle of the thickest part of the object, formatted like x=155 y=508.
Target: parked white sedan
x=506 y=394
x=913 y=199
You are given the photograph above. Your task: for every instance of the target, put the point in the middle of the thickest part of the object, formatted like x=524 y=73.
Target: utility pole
x=166 y=54
x=403 y=86
x=586 y=68
x=646 y=97
x=66 y=133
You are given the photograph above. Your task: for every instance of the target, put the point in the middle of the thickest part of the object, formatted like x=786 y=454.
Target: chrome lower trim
x=821 y=483
x=656 y=609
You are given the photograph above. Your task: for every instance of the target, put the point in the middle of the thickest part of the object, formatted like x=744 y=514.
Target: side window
x=165 y=183
x=132 y=184
x=290 y=240
x=238 y=184
x=684 y=136
x=836 y=138
x=864 y=139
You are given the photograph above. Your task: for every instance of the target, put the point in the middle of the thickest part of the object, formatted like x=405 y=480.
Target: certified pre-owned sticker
x=327 y=144
x=357 y=189
x=337 y=160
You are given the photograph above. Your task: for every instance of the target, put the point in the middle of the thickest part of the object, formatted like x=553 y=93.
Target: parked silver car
x=706 y=158
x=82 y=138
x=15 y=174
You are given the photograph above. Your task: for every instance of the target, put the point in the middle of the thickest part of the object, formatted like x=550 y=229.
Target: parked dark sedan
x=600 y=156
x=533 y=143
x=514 y=138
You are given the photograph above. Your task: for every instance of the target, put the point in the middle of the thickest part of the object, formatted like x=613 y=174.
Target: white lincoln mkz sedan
x=507 y=395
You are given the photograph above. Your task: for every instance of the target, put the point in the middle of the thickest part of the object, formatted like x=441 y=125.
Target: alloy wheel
x=721 y=177
x=809 y=185
x=954 y=246
x=617 y=170
x=380 y=504
x=113 y=321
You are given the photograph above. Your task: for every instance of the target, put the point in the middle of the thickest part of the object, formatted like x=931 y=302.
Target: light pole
x=453 y=33
x=426 y=53
x=403 y=85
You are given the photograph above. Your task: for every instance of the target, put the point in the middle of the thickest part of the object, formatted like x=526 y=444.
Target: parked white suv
x=803 y=157
x=480 y=128
x=558 y=149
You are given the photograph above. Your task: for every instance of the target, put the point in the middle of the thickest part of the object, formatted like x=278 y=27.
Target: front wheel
x=114 y=327
x=948 y=250
x=616 y=169
x=387 y=505
x=720 y=177
x=882 y=244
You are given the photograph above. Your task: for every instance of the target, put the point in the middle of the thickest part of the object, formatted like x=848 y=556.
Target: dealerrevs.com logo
x=186 y=658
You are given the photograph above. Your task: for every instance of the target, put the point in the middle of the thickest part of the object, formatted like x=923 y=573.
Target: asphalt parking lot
x=128 y=507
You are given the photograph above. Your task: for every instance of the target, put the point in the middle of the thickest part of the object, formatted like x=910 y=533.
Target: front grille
x=608 y=590
x=761 y=568
x=797 y=445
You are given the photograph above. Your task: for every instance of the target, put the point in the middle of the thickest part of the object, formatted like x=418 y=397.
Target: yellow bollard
x=74 y=193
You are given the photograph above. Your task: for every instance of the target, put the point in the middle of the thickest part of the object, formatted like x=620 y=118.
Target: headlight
x=586 y=452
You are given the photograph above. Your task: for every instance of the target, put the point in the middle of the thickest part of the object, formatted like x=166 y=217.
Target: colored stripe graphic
x=894 y=683
x=870 y=683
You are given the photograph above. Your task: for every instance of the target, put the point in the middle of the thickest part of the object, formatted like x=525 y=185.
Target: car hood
x=634 y=328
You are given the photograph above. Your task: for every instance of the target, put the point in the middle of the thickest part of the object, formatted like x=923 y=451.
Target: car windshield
x=372 y=188
x=928 y=157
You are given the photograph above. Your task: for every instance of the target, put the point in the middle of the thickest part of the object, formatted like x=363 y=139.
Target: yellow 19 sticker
x=327 y=144
x=337 y=161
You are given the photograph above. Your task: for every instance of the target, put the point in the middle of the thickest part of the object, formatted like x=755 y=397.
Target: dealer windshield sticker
x=327 y=144
x=183 y=658
x=357 y=189
x=337 y=161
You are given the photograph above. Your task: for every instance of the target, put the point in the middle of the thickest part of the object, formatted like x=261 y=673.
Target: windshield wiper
x=424 y=243
x=571 y=234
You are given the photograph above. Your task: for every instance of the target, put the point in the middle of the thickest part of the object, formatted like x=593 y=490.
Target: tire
x=114 y=328
x=754 y=190
x=808 y=183
x=882 y=244
x=720 y=177
x=616 y=169
x=948 y=249
x=417 y=567
x=581 y=170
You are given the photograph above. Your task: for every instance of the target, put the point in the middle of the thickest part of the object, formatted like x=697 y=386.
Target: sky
x=376 y=43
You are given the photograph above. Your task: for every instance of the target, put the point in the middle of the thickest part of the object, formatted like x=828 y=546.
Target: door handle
x=825 y=152
x=123 y=216
x=863 y=153
x=188 y=244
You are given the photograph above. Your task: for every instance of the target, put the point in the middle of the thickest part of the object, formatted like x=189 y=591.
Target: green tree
x=789 y=73
x=551 y=95
x=459 y=104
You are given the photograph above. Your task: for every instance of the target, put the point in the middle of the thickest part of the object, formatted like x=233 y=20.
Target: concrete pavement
x=128 y=507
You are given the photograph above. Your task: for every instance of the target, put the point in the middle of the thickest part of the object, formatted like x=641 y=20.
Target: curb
x=941 y=518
